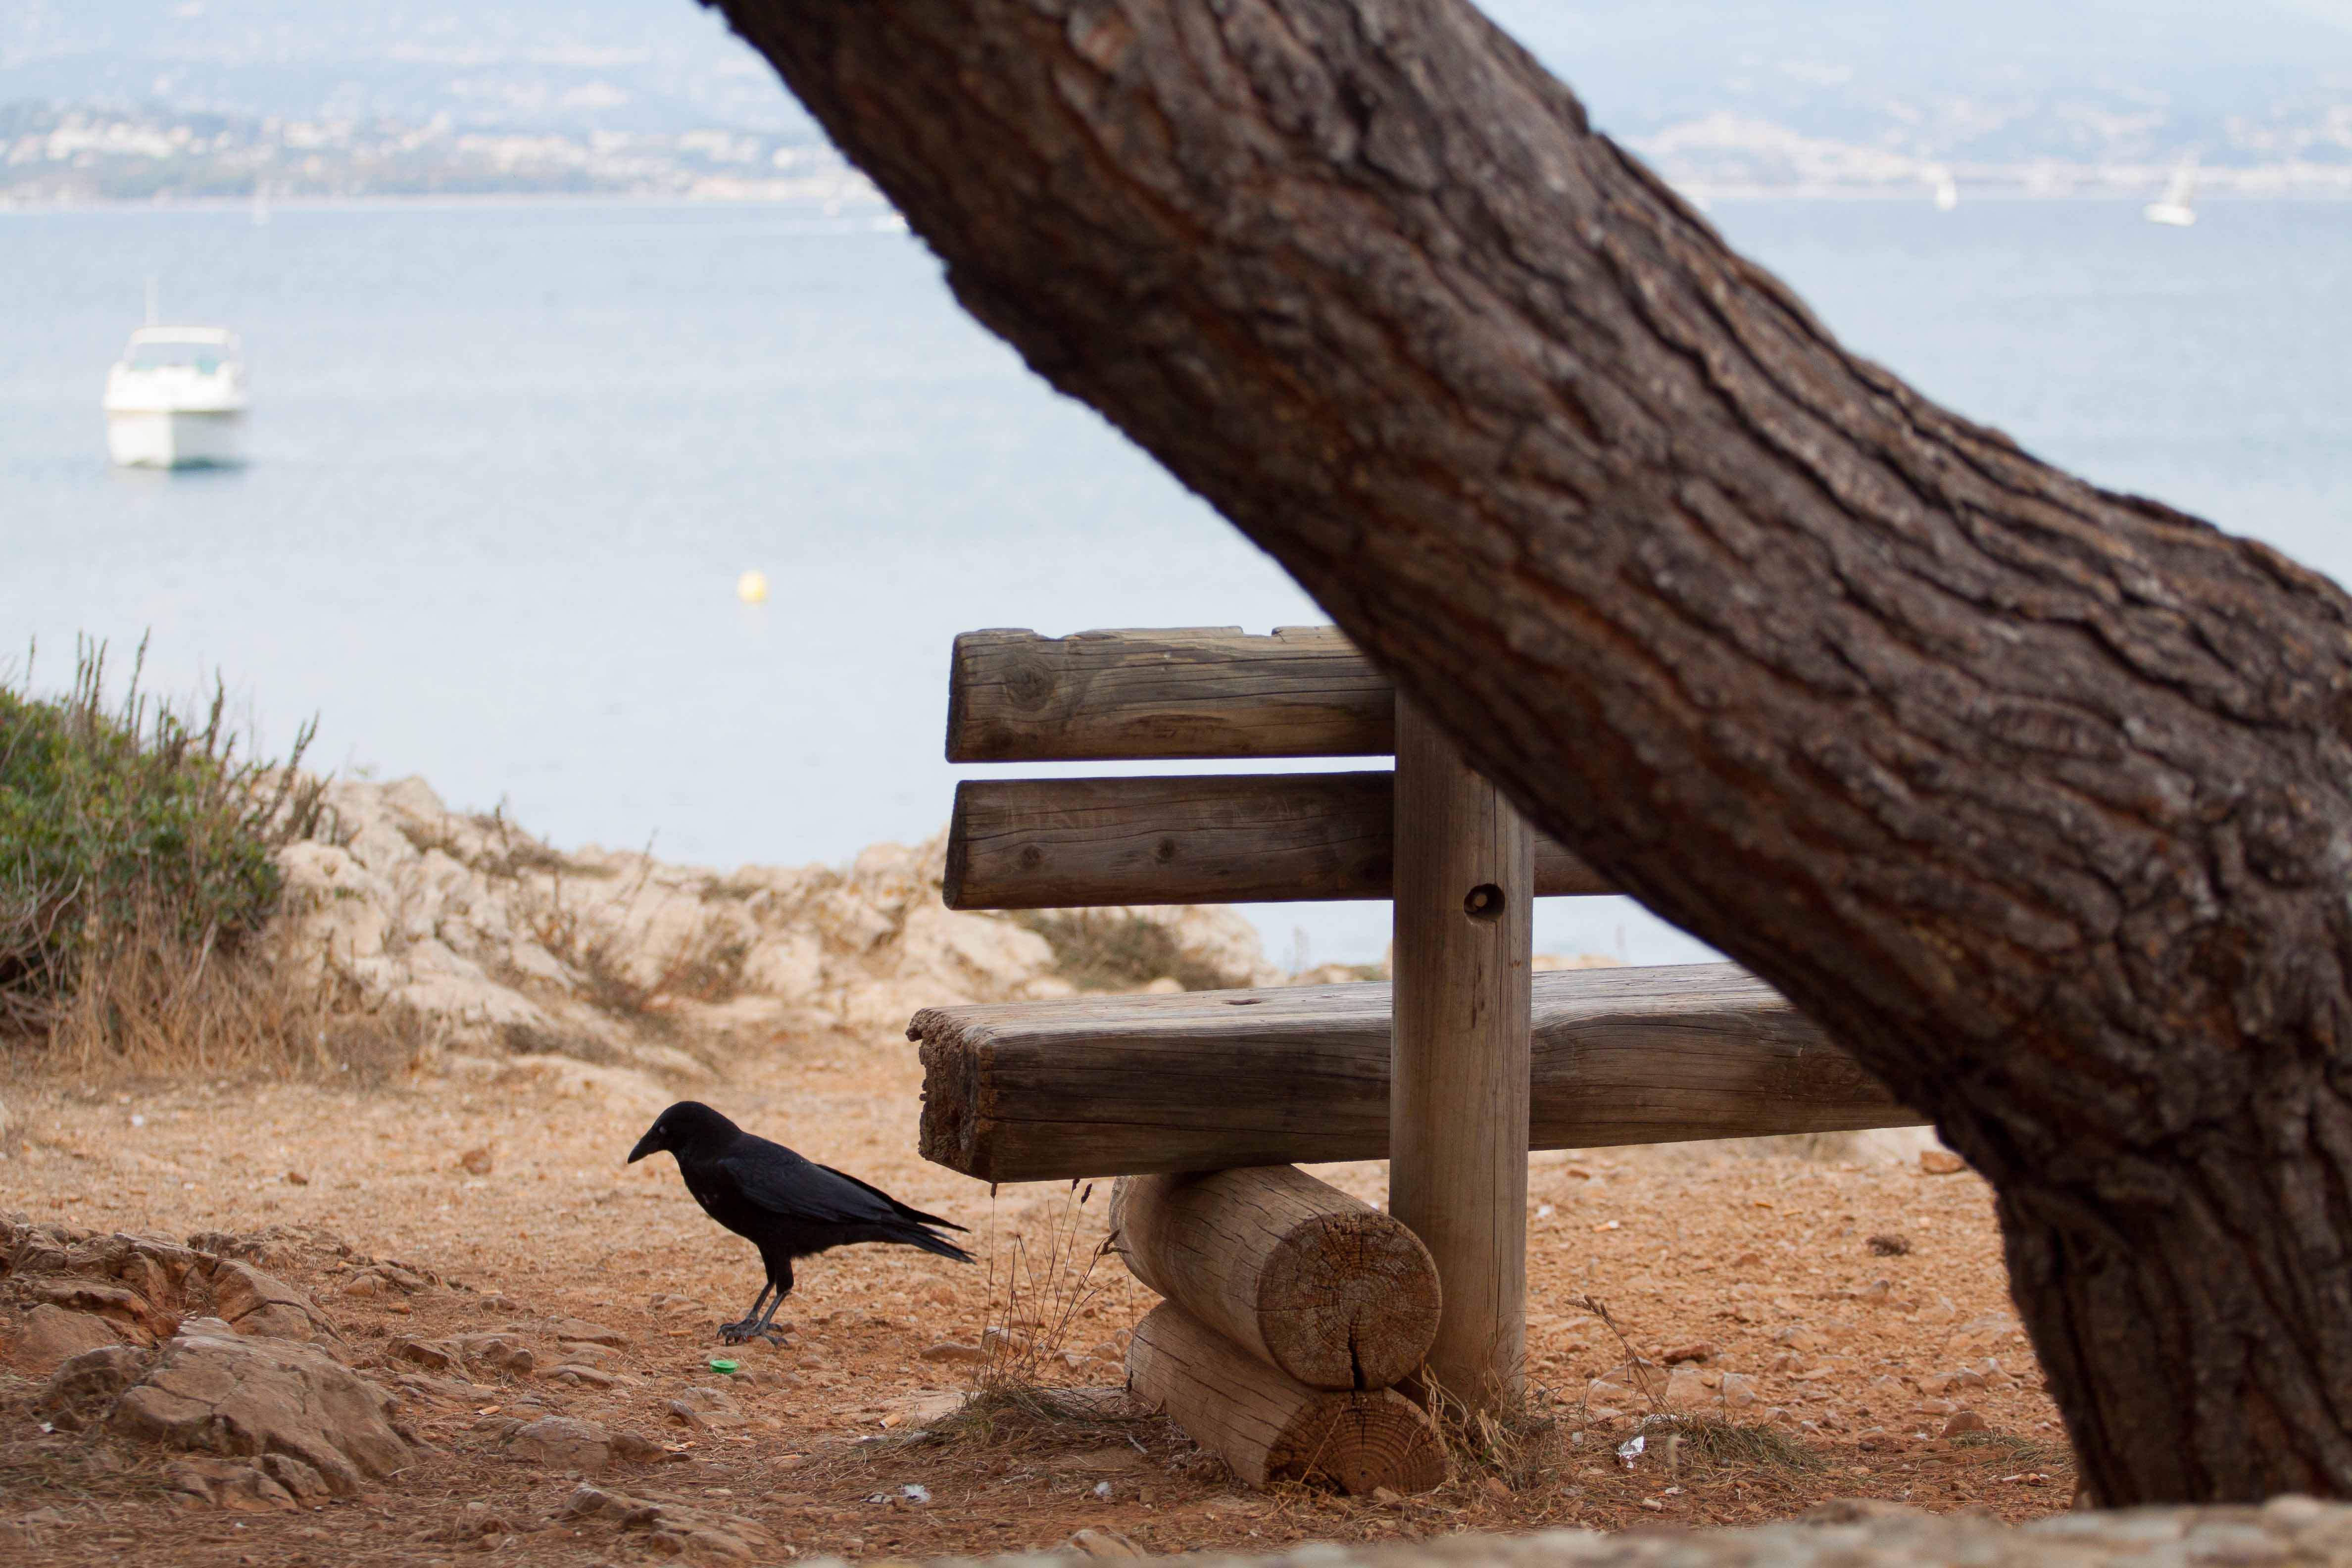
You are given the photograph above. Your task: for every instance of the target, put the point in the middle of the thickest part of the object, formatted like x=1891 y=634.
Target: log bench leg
x=1269 y=1426
x=1459 y=1097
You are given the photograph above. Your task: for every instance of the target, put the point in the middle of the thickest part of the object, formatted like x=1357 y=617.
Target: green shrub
x=128 y=818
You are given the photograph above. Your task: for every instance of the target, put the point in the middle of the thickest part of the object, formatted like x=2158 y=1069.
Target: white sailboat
x=2173 y=207
x=1948 y=190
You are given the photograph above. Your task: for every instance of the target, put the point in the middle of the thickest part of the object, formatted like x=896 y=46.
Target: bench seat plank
x=1102 y=1086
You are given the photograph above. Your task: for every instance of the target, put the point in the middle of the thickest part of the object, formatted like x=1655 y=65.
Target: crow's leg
x=774 y=1336
x=752 y=1323
x=756 y=1326
x=755 y=1323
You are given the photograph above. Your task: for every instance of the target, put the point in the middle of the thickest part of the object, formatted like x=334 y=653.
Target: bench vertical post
x=1459 y=1095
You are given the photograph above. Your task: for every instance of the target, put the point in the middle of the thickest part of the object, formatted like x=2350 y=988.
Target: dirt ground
x=1865 y=1303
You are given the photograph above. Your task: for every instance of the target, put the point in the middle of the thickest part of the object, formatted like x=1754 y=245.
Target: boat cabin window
x=203 y=358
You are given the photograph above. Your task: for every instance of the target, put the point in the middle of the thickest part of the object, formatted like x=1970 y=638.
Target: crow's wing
x=786 y=1183
x=903 y=1212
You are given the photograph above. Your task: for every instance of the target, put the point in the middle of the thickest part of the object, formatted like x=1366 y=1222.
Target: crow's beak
x=645 y=1145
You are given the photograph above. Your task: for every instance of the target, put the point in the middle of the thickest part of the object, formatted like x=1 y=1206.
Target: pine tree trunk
x=2036 y=795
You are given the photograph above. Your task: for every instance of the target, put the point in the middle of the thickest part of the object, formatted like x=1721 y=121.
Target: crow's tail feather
x=939 y=1245
x=919 y=1218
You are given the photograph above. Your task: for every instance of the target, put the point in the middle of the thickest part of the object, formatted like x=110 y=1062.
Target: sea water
x=508 y=460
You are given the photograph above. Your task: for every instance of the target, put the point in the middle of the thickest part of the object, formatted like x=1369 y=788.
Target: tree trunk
x=2034 y=795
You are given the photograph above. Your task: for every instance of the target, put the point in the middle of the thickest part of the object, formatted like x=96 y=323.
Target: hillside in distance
x=2067 y=95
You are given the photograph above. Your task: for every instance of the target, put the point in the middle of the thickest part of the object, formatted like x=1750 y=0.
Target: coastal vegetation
x=137 y=867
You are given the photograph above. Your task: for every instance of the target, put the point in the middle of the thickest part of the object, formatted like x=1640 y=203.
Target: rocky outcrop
x=195 y=1348
x=52 y=1335
x=506 y=946
x=673 y=1529
x=212 y=1390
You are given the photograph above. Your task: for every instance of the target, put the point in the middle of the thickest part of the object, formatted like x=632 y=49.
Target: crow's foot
x=750 y=1328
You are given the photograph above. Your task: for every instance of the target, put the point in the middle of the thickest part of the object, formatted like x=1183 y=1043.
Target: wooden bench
x=1455 y=1069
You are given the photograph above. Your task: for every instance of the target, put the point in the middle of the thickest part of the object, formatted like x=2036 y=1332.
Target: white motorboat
x=2174 y=208
x=176 y=399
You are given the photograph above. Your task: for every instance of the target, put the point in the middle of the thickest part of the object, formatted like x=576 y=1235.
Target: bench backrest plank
x=1016 y=697
x=1044 y=844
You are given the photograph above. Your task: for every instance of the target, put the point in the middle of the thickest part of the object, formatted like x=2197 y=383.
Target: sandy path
x=1766 y=1257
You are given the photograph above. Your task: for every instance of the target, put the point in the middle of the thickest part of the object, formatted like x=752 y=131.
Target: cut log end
x=1269 y=1426
x=1360 y=1443
x=1320 y=1285
x=1350 y=1300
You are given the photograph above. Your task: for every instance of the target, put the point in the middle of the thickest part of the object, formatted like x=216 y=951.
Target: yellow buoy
x=753 y=587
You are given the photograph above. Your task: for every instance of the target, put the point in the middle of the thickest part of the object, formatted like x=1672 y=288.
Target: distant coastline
x=78 y=155
x=869 y=209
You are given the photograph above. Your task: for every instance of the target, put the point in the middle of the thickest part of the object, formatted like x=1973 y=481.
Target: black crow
x=788 y=1206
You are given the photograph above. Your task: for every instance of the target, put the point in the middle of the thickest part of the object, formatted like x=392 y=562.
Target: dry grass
x=150 y=1002
x=1037 y=1296
x=1111 y=949
x=1708 y=1442
x=151 y=1005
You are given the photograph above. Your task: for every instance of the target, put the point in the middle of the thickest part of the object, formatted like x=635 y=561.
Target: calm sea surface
x=509 y=460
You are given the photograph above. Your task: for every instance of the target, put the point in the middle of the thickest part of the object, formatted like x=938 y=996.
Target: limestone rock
x=1101 y=1542
x=499 y=1353
x=226 y=1484
x=1685 y=1389
x=213 y=1389
x=564 y=1442
x=117 y=1302
x=253 y=1302
x=82 y=1386
x=53 y=1335
x=580 y=1330
x=432 y=1355
x=1941 y=1162
x=490 y=939
x=674 y=1528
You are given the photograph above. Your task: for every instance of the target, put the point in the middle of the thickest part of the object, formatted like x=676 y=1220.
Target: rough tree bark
x=2036 y=795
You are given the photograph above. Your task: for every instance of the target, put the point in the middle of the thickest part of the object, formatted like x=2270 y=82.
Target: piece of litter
x=1609 y=1224
x=721 y=1364
x=1630 y=1450
x=915 y=1492
x=1102 y=1490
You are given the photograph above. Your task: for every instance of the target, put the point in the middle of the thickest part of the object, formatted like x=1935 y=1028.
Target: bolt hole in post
x=1483 y=903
